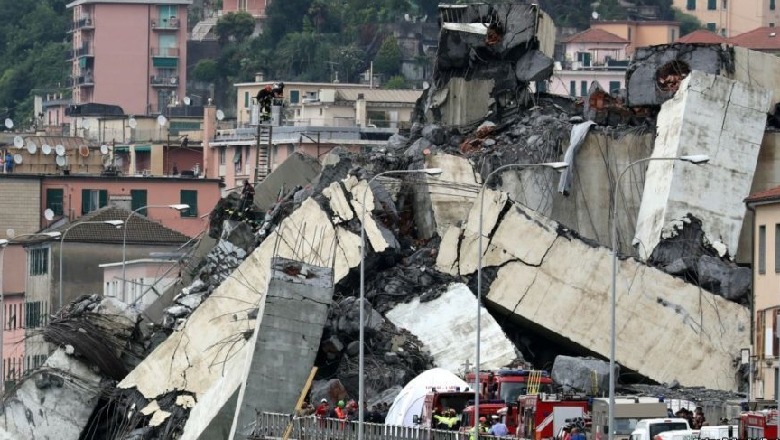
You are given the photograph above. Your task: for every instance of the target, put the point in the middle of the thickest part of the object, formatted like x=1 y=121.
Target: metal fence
x=285 y=426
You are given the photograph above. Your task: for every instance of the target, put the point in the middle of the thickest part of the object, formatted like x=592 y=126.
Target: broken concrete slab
x=727 y=125
x=297 y=170
x=293 y=315
x=59 y=406
x=454 y=310
x=444 y=200
x=534 y=66
x=575 y=374
x=667 y=329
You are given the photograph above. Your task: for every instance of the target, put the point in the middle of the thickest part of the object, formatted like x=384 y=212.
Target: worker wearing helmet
x=482 y=427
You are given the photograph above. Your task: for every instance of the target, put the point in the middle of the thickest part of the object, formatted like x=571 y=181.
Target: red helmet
x=482 y=419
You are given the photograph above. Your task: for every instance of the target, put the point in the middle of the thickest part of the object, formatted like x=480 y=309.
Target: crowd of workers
x=346 y=411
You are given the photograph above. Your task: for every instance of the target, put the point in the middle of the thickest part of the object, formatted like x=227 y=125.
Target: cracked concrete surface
x=568 y=293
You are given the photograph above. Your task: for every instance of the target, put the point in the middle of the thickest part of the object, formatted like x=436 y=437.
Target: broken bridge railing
x=288 y=427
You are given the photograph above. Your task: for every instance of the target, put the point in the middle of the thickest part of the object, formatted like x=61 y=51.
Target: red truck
x=758 y=424
x=488 y=408
x=542 y=416
x=441 y=400
x=508 y=385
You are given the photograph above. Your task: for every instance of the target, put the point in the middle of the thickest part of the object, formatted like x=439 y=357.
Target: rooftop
x=595 y=36
x=130 y=2
x=139 y=229
x=771 y=194
x=702 y=36
x=763 y=38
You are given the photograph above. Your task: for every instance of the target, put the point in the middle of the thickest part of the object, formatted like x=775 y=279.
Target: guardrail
x=285 y=426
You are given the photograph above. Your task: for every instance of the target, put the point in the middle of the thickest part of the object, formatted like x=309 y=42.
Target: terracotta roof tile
x=702 y=36
x=763 y=38
x=139 y=229
x=595 y=36
x=766 y=195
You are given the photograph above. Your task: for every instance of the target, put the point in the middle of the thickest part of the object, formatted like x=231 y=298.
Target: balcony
x=83 y=51
x=165 y=52
x=164 y=81
x=83 y=24
x=165 y=24
x=85 y=80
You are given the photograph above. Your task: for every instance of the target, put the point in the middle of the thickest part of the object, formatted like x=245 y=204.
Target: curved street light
x=177 y=206
x=3 y=243
x=116 y=223
x=361 y=356
x=694 y=159
x=558 y=166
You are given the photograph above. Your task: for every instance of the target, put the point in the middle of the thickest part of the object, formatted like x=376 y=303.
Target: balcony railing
x=164 y=81
x=165 y=52
x=85 y=23
x=165 y=24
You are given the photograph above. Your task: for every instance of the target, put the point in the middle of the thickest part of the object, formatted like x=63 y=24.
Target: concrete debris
x=297 y=171
x=727 y=125
x=533 y=66
x=578 y=134
x=582 y=375
x=453 y=313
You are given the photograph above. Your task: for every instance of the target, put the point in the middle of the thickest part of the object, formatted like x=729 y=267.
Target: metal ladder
x=534 y=380
x=594 y=383
x=262 y=158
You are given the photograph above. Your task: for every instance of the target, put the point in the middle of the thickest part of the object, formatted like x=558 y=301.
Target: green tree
x=610 y=10
x=206 y=71
x=236 y=26
x=284 y=17
x=396 y=82
x=388 y=60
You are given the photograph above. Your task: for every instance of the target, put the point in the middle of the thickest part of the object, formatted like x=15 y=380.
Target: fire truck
x=542 y=416
x=507 y=385
x=441 y=400
x=758 y=424
x=487 y=409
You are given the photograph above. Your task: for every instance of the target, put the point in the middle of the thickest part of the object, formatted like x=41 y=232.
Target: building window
x=295 y=96
x=583 y=88
x=760 y=333
x=712 y=5
x=246 y=99
x=54 y=200
x=10 y=323
x=629 y=34
x=772 y=24
x=614 y=86
x=762 y=249
x=724 y=4
x=93 y=199
x=222 y=155
x=242 y=5
x=39 y=261
x=138 y=200
x=674 y=35
x=712 y=27
x=33 y=314
x=237 y=160
x=691 y=6
x=771 y=5
x=722 y=32
x=189 y=197
x=573 y=88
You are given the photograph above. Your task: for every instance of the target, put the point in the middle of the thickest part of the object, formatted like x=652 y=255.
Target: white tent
x=409 y=401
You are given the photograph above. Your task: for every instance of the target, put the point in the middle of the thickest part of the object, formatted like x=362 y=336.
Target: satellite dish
x=595 y=15
x=162 y=120
x=18 y=141
x=104 y=149
x=18 y=159
x=10 y=233
x=61 y=161
x=31 y=147
x=60 y=150
x=84 y=151
x=187 y=100
x=132 y=122
x=220 y=115
x=9 y=124
x=46 y=149
x=48 y=214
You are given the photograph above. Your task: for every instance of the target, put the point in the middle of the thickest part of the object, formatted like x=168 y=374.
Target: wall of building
x=598 y=51
x=158 y=192
x=20 y=205
x=147 y=279
x=254 y=7
x=646 y=33
x=733 y=16
x=560 y=82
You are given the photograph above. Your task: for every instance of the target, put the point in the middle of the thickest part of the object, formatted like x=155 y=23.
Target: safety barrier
x=272 y=426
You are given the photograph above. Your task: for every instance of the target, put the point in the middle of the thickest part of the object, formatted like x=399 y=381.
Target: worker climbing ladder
x=534 y=381
x=262 y=159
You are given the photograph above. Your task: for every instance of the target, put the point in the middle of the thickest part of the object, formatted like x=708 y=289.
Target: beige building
x=766 y=303
x=640 y=33
x=732 y=17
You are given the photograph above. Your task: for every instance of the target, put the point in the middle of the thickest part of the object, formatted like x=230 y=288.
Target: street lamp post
x=361 y=356
x=694 y=159
x=178 y=207
x=116 y=223
x=3 y=243
x=559 y=166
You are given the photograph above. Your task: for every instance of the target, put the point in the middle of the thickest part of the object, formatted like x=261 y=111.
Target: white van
x=647 y=429
x=719 y=432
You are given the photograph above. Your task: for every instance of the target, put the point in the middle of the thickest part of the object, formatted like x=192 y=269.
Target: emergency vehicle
x=507 y=385
x=441 y=400
x=758 y=424
x=543 y=416
x=487 y=409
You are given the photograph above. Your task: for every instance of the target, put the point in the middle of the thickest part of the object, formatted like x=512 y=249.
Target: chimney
x=209 y=131
x=259 y=77
x=361 y=110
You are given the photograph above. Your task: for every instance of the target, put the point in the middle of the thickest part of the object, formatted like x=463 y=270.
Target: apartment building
x=593 y=55
x=640 y=33
x=732 y=17
x=129 y=53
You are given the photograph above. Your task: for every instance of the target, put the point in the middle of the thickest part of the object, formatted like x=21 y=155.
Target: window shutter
x=103 y=195
x=85 y=201
x=138 y=200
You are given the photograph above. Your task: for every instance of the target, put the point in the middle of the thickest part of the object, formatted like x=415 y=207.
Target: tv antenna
x=9 y=123
x=595 y=15
x=220 y=115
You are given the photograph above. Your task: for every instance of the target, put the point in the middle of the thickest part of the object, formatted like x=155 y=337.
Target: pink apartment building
x=131 y=53
x=13 y=259
x=254 y=7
